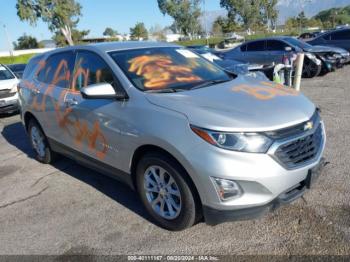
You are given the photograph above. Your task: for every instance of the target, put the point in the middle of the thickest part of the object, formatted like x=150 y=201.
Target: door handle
x=35 y=91
x=71 y=102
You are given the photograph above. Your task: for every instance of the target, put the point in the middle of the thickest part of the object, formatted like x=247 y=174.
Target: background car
x=17 y=69
x=235 y=66
x=276 y=49
x=8 y=90
x=338 y=38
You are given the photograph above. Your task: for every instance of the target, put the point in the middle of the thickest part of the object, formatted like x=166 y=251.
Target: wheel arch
x=142 y=150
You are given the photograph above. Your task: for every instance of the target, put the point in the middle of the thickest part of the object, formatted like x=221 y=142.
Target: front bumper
x=215 y=216
x=264 y=179
x=9 y=104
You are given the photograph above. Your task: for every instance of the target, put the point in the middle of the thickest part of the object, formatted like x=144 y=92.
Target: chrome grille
x=301 y=150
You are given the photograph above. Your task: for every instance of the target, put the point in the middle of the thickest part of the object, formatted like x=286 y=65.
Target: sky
x=96 y=16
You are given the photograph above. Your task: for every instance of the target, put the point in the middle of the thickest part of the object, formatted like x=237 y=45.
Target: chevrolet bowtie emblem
x=308 y=126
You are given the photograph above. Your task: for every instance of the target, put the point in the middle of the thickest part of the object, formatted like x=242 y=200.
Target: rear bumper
x=214 y=216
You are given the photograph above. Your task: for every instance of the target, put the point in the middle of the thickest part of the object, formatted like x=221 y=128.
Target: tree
x=157 y=32
x=225 y=25
x=252 y=13
x=139 y=32
x=269 y=13
x=185 y=13
x=110 y=32
x=26 y=42
x=60 y=15
x=302 y=20
x=77 y=36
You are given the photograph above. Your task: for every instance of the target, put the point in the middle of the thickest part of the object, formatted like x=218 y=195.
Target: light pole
x=205 y=23
x=8 y=38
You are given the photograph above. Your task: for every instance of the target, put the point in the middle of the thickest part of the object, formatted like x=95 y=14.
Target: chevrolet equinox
x=192 y=139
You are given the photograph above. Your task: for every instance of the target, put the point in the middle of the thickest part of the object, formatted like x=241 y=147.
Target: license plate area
x=314 y=174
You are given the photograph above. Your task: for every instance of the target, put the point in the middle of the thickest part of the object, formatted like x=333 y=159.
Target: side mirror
x=102 y=91
x=288 y=49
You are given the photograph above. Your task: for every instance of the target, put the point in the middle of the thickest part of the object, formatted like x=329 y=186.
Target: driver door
x=89 y=121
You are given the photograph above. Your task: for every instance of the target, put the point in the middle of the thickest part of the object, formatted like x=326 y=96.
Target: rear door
x=275 y=51
x=256 y=52
x=50 y=86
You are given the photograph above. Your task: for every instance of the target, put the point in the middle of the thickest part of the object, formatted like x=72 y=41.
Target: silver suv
x=192 y=139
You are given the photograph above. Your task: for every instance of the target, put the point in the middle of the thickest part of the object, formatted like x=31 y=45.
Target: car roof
x=114 y=46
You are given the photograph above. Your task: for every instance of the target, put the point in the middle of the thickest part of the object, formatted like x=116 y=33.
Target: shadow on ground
x=15 y=135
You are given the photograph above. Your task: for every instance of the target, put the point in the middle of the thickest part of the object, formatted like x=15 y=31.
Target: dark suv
x=338 y=38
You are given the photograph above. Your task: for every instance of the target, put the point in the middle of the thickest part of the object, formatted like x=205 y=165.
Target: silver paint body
x=163 y=120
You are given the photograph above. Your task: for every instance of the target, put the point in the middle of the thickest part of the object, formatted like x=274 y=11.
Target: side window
x=327 y=37
x=275 y=45
x=243 y=48
x=90 y=69
x=341 y=35
x=256 y=46
x=57 y=69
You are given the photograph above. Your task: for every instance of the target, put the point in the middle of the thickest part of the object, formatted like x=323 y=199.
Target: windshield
x=5 y=74
x=297 y=43
x=167 y=68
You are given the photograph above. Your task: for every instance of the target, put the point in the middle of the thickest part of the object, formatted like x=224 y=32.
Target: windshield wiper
x=209 y=83
x=163 y=90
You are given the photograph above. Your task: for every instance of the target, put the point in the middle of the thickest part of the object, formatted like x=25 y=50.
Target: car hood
x=323 y=49
x=8 y=84
x=243 y=104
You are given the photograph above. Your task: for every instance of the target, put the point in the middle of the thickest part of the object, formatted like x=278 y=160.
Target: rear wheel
x=166 y=192
x=39 y=143
x=311 y=69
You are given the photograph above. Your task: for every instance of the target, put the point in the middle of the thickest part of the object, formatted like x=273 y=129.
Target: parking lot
x=69 y=209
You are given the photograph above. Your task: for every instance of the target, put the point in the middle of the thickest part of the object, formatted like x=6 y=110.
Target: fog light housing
x=227 y=189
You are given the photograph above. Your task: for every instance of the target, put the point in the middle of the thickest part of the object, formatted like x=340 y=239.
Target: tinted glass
x=167 y=68
x=5 y=74
x=256 y=46
x=29 y=69
x=244 y=48
x=90 y=69
x=297 y=42
x=275 y=45
x=341 y=35
x=58 y=69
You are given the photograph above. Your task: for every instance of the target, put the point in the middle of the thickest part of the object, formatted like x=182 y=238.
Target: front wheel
x=311 y=69
x=166 y=192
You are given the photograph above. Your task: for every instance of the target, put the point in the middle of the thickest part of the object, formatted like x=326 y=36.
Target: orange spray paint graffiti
x=266 y=90
x=65 y=119
x=159 y=71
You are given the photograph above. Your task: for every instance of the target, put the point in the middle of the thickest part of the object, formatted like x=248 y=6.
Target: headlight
x=310 y=56
x=14 y=89
x=242 y=142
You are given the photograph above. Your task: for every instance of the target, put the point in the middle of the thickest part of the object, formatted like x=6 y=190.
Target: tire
x=39 y=143
x=187 y=212
x=310 y=69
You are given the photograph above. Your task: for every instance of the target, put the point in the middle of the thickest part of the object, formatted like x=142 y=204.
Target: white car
x=8 y=90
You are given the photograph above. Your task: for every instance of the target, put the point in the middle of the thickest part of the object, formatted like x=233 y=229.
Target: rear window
x=5 y=74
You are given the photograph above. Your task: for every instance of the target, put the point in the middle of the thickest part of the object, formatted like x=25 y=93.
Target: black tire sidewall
x=48 y=157
x=187 y=216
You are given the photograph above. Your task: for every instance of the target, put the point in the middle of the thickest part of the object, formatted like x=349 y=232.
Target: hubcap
x=162 y=192
x=38 y=141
